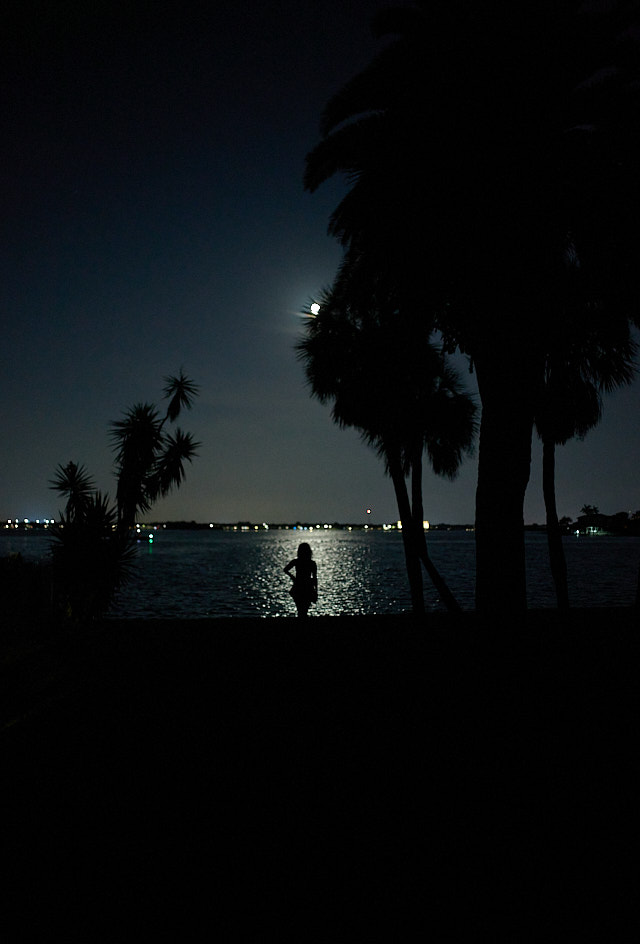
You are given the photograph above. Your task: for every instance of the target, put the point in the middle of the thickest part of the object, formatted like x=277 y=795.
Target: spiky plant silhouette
x=92 y=544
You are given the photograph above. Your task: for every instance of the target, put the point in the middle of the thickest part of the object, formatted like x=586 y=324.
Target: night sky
x=153 y=218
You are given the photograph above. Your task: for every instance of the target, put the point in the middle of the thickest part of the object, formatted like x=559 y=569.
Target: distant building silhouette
x=620 y=523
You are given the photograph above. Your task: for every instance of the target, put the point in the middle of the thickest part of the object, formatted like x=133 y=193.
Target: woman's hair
x=304 y=550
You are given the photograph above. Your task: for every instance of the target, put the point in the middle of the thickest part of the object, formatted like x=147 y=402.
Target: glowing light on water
x=194 y=574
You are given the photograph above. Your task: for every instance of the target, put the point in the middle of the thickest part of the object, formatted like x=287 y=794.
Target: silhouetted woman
x=305 y=583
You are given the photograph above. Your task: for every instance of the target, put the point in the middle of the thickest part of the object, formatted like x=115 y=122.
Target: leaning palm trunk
x=418 y=511
x=554 y=538
x=409 y=539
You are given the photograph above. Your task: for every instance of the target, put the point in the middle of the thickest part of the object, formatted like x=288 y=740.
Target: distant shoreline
x=610 y=528
x=25 y=527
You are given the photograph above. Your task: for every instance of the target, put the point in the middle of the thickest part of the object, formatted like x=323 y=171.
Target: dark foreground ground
x=340 y=779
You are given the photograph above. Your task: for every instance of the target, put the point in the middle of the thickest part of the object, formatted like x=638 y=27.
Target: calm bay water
x=193 y=574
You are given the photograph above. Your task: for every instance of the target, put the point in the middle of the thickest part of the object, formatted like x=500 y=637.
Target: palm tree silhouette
x=93 y=552
x=150 y=462
x=384 y=377
x=577 y=374
x=485 y=147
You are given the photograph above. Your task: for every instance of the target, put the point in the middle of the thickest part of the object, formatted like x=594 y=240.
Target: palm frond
x=368 y=91
x=169 y=471
x=73 y=481
x=72 y=478
x=181 y=392
x=138 y=434
x=374 y=363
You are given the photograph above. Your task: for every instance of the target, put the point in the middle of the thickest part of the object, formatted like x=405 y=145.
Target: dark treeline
x=491 y=154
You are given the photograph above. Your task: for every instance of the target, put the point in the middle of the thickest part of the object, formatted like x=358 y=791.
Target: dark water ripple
x=225 y=573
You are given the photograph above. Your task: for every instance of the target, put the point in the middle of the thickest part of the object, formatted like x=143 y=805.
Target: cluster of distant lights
x=16 y=522
x=295 y=527
x=319 y=527
x=144 y=532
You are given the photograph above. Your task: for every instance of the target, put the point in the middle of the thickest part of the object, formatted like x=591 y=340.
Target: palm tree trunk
x=418 y=516
x=411 y=555
x=504 y=463
x=554 y=538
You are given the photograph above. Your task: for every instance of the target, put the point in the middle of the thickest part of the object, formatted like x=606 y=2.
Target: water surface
x=193 y=574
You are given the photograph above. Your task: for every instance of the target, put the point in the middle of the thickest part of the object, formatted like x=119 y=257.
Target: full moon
x=314 y=309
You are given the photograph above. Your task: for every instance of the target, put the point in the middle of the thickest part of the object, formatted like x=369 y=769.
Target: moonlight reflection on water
x=241 y=574
x=225 y=573
x=196 y=574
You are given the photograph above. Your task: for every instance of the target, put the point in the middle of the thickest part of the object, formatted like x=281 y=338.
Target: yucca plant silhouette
x=93 y=545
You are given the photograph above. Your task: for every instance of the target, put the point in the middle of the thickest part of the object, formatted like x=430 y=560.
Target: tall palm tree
x=393 y=386
x=579 y=371
x=484 y=146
